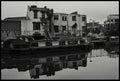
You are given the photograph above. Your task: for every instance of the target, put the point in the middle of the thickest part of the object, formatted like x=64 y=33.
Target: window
x=111 y=20
x=36 y=25
x=49 y=59
x=35 y=13
x=83 y=18
x=116 y=20
x=64 y=18
x=43 y=15
x=55 y=17
x=73 y=18
x=84 y=27
x=63 y=28
x=56 y=28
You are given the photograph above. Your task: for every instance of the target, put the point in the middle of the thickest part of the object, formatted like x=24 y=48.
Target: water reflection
x=45 y=65
x=113 y=51
x=37 y=65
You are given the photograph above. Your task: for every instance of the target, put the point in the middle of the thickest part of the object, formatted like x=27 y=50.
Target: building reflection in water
x=113 y=51
x=49 y=65
x=113 y=54
x=38 y=66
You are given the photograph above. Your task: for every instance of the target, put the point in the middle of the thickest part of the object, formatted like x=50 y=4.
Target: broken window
x=36 y=25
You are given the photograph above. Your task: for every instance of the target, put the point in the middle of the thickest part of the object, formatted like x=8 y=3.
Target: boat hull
x=49 y=50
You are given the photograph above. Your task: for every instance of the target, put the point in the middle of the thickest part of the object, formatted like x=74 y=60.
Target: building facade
x=112 y=25
x=60 y=23
x=94 y=27
x=73 y=23
x=37 y=20
x=45 y=22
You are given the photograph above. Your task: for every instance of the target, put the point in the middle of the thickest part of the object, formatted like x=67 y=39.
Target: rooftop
x=15 y=18
x=74 y=12
x=61 y=13
x=10 y=25
x=34 y=7
x=114 y=15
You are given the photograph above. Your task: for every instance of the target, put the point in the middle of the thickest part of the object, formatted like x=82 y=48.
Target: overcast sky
x=95 y=10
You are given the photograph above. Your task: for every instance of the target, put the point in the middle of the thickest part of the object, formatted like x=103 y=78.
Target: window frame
x=35 y=12
x=84 y=18
x=74 y=18
x=56 y=17
x=56 y=27
x=64 y=18
x=64 y=28
x=36 y=25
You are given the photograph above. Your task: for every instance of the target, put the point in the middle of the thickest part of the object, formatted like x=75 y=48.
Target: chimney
x=74 y=12
x=45 y=6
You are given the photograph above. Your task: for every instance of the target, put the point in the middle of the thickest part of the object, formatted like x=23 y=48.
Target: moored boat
x=47 y=46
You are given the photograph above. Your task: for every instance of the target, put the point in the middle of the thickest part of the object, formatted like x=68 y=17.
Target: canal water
x=97 y=64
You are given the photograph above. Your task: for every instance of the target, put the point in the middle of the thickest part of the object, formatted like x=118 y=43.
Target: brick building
x=112 y=25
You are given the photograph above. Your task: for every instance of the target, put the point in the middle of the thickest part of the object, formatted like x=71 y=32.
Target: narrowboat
x=98 y=42
x=27 y=45
x=112 y=45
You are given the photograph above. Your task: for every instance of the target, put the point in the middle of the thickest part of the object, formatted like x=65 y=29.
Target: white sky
x=95 y=10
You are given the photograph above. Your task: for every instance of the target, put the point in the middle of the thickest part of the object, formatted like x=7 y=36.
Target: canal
x=97 y=64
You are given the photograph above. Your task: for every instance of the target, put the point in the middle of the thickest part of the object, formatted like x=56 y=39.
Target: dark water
x=97 y=64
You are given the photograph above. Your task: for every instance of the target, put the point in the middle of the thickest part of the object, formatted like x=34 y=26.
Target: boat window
x=34 y=45
x=113 y=39
x=30 y=39
x=62 y=58
x=20 y=38
x=26 y=40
